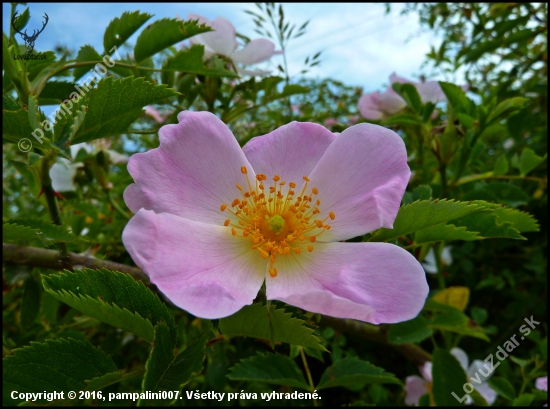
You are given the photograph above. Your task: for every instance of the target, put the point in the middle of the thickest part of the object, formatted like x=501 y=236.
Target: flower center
x=276 y=224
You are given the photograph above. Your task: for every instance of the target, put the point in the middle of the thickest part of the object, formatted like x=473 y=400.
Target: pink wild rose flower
x=213 y=221
x=223 y=41
x=376 y=105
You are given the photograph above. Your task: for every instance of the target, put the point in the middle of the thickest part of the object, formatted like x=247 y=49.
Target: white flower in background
x=64 y=171
x=223 y=41
x=429 y=261
x=416 y=386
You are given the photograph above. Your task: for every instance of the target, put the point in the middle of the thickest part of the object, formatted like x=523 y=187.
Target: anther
x=331 y=215
x=314 y=190
x=243 y=170
x=292 y=185
x=310 y=248
x=223 y=207
x=226 y=223
x=273 y=272
x=312 y=239
x=276 y=178
x=233 y=232
x=319 y=223
x=239 y=187
x=306 y=179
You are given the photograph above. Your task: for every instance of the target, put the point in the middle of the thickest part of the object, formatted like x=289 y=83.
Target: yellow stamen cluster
x=276 y=223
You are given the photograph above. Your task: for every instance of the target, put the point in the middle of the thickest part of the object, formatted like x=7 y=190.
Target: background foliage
x=479 y=185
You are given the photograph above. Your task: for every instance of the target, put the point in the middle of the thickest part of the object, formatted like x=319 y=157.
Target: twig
x=39 y=257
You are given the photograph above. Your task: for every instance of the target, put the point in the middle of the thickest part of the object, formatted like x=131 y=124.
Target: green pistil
x=276 y=224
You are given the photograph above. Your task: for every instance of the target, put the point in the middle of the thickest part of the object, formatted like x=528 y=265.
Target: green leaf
x=30 y=174
x=166 y=373
x=56 y=91
x=448 y=379
x=15 y=126
x=53 y=366
x=521 y=221
x=501 y=166
x=455 y=321
x=121 y=29
x=529 y=160
x=507 y=108
x=270 y=368
x=16 y=232
x=503 y=387
x=507 y=194
x=30 y=304
x=444 y=232
x=488 y=226
x=425 y=213
x=523 y=400
x=9 y=104
x=415 y=330
x=191 y=61
x=352 y=372
x=47 y=230
x=111 y=378
x=115 y=104
x=457 y=98
x=85 y=54
x=254 y=321
x=184 y=367
x=411 y=97
x=422 y=192
x=160 y=358
x=22 y=20
x=403 y=119
x=111 y=297
x=164 y=33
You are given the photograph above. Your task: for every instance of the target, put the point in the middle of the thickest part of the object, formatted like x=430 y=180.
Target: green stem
x=443 y=173
x=52 y=203
x=116 y=205
x=438 y=248
x=308 y=372
x=489 y=175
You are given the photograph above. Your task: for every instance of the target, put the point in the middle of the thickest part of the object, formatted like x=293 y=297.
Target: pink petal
x=372 y=282
x=542 y=383
x=254 y=52
x=426 y=371
x=368 y=106
x=223 y=40
x=155 y=114
x=415 y=388
x=395 y=78
x=430 y=92
x=290 y=151
x=485 y=390
x=461 y=357
x=192 y=173
x=200 y=267
x=361 y=178
x=390 y=102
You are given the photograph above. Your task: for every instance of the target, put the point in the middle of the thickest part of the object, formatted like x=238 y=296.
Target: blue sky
x=361 y=45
